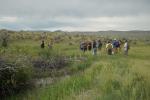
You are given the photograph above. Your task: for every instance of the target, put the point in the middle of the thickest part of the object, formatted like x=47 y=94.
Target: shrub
x=4 y=43
x=4 y=34
x=47 y=62
x=53 y=62
x=14 y=76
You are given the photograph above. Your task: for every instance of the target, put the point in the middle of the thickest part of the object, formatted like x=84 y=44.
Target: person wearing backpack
x=109 y=48
x=114 y=44
x=117 y=46
x=126 y=48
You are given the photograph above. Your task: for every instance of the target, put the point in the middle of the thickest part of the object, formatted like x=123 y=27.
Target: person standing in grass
x=82 y=46
x=126 y=48
x=109 y=48
x=115 y=44
x=89 y=45
x=94 y=47
x=99 y=45
x=42 y=44
x=119 y=46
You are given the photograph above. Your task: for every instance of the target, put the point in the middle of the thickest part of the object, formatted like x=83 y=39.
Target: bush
x=14 y=77
x=47 y=63
x=4 y=37
x=49 y=59
x=4 y=43
x=51 y=63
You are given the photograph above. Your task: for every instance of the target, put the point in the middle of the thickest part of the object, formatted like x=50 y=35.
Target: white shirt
x=126 y=46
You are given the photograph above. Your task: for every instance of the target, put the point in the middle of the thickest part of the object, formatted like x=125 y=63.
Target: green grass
x=100 y=77
x=103 y=77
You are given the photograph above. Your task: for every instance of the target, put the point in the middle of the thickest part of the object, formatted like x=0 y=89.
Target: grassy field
x=100 y=77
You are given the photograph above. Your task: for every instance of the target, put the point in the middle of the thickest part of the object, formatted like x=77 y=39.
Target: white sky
x=75 y=15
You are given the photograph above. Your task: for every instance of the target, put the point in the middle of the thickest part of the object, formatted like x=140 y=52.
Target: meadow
x=63 y=72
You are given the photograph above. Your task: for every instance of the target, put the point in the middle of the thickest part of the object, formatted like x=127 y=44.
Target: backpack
x=109 y=46
x=117 y=44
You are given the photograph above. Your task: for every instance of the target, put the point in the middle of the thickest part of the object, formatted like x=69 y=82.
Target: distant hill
x=133 y=34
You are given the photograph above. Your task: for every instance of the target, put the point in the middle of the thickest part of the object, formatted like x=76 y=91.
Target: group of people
x=43 y=44
x=94 y=46
x=112 y=46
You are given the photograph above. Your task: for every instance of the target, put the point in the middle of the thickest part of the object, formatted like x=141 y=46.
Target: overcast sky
x=75 y=15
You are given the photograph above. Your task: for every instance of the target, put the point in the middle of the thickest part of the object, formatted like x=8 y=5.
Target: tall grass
x=115 y=77
x=66 y=87
x=108 y=77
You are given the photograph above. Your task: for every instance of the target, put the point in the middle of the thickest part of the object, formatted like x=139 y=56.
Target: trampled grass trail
x=115 y=77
